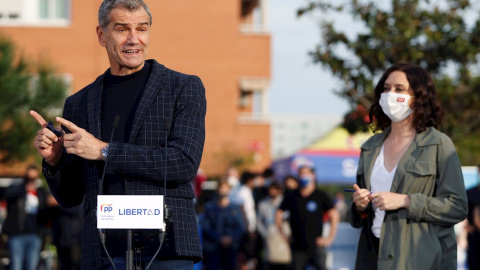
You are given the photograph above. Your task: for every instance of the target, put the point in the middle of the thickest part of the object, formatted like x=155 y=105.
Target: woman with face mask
x=410 y=191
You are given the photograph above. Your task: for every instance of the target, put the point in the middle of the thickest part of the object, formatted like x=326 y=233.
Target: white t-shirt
x=244 y=198
x=381 y=180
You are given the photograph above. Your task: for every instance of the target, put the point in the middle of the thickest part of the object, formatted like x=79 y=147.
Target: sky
x=298 y=86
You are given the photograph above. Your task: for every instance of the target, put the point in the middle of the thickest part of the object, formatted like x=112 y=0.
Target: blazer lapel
x=155 y=81
x=412 y=153
x=94 y=108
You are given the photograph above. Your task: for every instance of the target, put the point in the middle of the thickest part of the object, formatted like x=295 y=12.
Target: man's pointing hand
x=80 y=142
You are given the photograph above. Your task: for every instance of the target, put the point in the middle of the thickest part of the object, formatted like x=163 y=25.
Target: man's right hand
x=48 y=145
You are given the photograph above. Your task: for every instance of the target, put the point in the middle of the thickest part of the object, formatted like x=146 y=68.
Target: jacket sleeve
x=185 y=142
x=66 y=180
x=208 y=227
x=14 y=191
x=353 y=217
x=240 y=228
x=261 y=213
x=448 y=205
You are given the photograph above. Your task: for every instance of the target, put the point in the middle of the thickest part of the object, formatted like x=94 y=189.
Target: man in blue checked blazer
x=146 y=96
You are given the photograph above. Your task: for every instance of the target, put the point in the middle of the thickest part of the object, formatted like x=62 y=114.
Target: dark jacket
x=168 y=95
x=218 y=222
x=16 y=222
x=421 y=237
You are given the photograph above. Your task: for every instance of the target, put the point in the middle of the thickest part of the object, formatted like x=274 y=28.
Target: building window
x=43 y=9
x=244 y=101
x=54 y=9
x=254 y=17
x=38 y=13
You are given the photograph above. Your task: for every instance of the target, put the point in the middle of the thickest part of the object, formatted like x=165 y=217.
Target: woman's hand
x=361 y=198
x=390 y=201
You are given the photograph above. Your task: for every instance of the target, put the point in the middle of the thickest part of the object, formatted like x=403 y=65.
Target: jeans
x=223 y=258
x=316 y=256
x=24 y=251
x=120 y=264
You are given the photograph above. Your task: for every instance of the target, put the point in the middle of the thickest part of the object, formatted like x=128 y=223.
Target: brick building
x=225 y=43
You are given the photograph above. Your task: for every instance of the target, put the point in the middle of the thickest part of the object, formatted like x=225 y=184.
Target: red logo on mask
x=400 y=99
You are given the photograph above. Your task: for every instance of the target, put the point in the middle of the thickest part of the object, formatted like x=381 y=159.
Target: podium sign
x=130 y=212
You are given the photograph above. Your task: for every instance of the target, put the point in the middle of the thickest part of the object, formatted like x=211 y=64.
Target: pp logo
x=106 y=208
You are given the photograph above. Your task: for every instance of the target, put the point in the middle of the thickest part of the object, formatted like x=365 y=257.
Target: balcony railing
x=254 y=29
x=253 y=118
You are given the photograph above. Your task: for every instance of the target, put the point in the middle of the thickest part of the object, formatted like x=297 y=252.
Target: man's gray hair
x=108 y=5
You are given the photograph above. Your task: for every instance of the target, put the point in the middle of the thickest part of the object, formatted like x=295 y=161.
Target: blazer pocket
x=423 y=168
x=420 y=177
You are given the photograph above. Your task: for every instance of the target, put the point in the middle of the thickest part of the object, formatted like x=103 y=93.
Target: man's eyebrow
x=120 y=24
x=127 y=24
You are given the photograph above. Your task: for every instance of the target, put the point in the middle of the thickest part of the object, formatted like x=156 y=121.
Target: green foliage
x=426 y=33
x=24 y=87
x=356 y=120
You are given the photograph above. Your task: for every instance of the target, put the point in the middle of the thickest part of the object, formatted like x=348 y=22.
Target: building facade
x=225 y=43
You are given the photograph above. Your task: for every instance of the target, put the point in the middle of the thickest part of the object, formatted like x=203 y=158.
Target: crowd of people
x=252 y=221
x=408 y=196
x=34 y=222
x=257 y=222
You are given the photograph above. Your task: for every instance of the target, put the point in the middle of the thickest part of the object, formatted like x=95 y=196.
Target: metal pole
x=129 y=253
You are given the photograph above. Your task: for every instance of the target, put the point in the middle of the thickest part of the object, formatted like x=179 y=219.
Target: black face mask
x=222 y=196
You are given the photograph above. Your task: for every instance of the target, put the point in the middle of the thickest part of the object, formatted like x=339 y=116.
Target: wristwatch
x=105 y=152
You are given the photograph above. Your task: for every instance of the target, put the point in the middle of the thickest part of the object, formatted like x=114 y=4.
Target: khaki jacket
x=421 y=237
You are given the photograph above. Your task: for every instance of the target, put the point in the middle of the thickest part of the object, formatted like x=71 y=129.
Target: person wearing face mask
x=277 y=250
x=307 y=206
x=222 y=228
x=410 y=190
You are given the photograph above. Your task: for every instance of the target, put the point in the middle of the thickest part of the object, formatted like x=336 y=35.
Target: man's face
x=305 y=171
x=33 y=174
x=126 y=40
x=307 y=177
x=274 y=192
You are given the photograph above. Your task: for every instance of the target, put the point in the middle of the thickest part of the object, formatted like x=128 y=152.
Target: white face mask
x=395 y=106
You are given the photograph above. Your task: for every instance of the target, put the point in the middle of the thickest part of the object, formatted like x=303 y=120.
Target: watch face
x=105 y=151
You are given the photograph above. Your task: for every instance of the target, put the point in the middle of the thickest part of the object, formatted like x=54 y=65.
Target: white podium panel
x=130 y=212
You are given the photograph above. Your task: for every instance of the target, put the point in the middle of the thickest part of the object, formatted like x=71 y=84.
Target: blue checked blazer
x=140 y=162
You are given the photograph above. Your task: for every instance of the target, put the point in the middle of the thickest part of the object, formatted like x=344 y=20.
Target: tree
x=23 y=87
x=432 y=34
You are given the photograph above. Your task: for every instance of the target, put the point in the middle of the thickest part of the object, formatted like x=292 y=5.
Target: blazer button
x=390 y=256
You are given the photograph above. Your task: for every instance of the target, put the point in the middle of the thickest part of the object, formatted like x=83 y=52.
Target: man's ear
x=101 y=36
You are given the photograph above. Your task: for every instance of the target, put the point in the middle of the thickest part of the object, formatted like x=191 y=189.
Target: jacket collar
x=428 y=137
x=94 y=107
x=372 y=147
x=154 y=83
